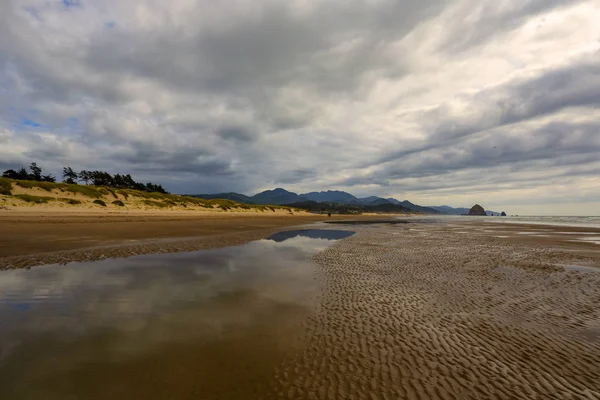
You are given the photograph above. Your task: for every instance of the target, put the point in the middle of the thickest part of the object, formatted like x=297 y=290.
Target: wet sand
x=34 y=238
x=450 y=310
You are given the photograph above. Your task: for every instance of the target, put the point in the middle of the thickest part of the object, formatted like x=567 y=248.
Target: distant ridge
x=326 y=199
x=334 y=196
x=331 y=198
x=447 y=210
x=277 y=196
x=242 y=198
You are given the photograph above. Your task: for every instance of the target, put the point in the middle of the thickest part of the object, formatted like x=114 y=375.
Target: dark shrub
x=70 y=201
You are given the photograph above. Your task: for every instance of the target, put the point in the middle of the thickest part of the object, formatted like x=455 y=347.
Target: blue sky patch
x=71 y=3
x=26 y=122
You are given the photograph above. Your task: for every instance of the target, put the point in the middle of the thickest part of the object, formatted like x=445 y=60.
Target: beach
x=35 y=237
x=423 y=308
x=453 y=312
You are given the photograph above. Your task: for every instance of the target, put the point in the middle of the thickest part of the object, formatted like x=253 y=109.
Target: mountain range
x=281 y=196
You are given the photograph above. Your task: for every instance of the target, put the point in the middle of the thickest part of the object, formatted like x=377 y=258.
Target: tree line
x=96 y=178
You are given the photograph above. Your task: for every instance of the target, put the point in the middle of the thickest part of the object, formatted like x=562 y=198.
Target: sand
x=409 y=311
x=431 y=314
x=38 y=237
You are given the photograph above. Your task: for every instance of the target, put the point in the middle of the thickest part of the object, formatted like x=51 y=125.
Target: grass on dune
x=47 y=186
x=34 y=199
x=152 y=199
x=88 y=191
x=69 y=201
x=153 y=203
x=5 y=187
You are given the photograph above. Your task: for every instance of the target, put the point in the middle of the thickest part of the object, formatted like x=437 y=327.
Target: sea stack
x=477 y=210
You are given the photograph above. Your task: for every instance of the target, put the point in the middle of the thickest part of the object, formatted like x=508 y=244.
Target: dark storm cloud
x=272 y=49
x=295 y=176
x=572 y=86
x=250 y=95
x=236 y=133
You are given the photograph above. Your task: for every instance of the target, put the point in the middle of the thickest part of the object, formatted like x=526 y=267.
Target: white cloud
x=438 y=101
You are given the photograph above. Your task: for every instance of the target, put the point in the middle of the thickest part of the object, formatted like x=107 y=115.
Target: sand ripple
x=444 y=316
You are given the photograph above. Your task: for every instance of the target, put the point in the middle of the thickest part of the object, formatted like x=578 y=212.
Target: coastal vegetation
x=70 y=177
x=5 y=187
x=33 y=199
x=41 y=192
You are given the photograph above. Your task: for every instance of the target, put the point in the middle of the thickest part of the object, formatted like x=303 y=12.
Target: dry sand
x=418 y=311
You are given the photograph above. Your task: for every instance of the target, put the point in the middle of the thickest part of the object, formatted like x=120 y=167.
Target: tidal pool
x=206 y=324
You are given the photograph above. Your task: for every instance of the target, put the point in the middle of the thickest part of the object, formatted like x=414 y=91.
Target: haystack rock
x=477 y=210
x=503 y=214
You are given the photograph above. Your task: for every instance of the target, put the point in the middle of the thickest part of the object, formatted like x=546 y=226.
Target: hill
x=281 y=196
x=240 y=198
x=325 y=207
x=276 y=196
x=414 y=207
x=27 y=193
x=332 y=196
x=477 y=210
x=447 y=210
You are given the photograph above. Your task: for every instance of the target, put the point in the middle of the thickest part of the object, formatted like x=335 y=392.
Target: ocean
x=574 y=221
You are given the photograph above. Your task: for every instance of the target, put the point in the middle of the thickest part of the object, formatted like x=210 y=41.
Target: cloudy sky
x=435 y=101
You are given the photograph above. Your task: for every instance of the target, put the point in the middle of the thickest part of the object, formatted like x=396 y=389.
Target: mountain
x=461 y=211
x=329 y=198
x=374 y=200
x=332 y=196
x=415 y=207
x=450 y=210
x=240 y=198
x=277 y=196
x=325 y=207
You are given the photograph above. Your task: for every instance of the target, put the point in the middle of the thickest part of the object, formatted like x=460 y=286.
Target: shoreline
x=37 y=238
x=419 y=309
x=33 y=239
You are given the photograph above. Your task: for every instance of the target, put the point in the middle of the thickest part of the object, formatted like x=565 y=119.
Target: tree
x=22 y=174
x=69 y=176
x=85 y=176
x=36 y=172
x=48 y=178
x=10 y=173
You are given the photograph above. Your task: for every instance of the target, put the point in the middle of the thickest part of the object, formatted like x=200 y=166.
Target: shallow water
x=580 y=268
x=592 y=239
x=206 y=324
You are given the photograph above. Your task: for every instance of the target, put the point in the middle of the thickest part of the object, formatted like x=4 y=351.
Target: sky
x=435 y=101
